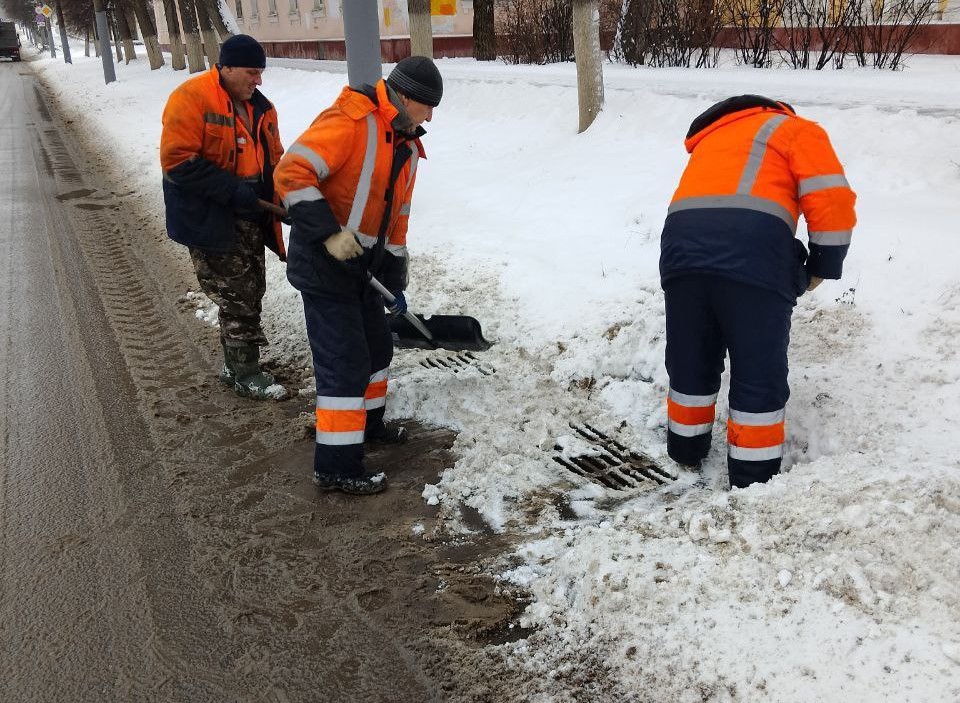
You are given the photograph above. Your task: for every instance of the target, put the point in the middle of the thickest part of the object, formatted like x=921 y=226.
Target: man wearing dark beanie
x=347 y=183
x=218 y=150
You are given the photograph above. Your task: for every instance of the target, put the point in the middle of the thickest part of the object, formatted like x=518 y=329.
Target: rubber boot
x=227 y=375
x=249 y=380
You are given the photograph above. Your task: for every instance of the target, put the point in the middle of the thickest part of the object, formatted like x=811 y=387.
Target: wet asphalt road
x=160 y=539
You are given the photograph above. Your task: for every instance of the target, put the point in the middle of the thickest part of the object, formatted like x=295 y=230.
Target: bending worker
x=732 y=269
x=347 y=183
x=218 y=149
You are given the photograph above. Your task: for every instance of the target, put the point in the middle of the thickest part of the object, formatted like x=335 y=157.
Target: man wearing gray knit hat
x=347 y=184
x=418 y=78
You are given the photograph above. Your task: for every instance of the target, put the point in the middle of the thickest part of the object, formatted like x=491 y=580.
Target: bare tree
x=421 y=28
x=484 y=37
x=886 y=29
x=669 y=33
x=536 y=31
x=126 y=38
x=586 y=47
x=177 y=54
x=148 y=30
x=754 y=22
x=818 y=27
x=191 y=35
x=215 y=10
x=211 y=45
x=115 y=32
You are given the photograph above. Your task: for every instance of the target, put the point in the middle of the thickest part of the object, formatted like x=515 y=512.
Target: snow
x=838 y=580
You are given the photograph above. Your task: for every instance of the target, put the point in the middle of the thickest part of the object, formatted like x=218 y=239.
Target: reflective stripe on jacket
x=202 y=166
x=751 y=173
x=339 y=174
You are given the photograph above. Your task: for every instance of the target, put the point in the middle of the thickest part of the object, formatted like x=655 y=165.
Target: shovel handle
x=390 y=298
x=272 y=208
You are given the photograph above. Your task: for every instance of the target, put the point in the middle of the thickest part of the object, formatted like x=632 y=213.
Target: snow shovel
x=452 y=332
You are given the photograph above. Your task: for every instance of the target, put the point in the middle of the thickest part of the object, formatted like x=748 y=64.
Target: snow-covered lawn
x=839 y=580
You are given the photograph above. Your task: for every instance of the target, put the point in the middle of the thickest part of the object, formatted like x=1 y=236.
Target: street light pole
x=361 y=30
x=103 y=34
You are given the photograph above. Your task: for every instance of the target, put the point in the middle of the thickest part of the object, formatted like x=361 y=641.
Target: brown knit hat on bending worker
x=418 y=78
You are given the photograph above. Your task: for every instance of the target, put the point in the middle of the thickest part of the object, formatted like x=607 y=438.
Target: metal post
x=103 y=36
x=361 y=31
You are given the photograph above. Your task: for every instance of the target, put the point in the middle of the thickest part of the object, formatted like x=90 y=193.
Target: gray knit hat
x=418 y=78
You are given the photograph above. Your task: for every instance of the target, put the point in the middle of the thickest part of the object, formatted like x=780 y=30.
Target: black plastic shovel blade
x=452 y=332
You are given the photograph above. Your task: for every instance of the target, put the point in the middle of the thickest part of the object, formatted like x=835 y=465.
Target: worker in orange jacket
x=218 y=149
x=732 y=269
x=347 y=185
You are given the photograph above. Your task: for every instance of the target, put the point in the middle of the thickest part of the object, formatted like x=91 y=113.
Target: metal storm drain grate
x=457 y=363
x=611 y=464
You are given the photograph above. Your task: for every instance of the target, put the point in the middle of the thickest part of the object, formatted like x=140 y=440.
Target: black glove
x=399 y=304
x=245 y=198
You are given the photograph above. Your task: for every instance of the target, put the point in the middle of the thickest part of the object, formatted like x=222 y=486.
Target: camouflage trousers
x=236 y=282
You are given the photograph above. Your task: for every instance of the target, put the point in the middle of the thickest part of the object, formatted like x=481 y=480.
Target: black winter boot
x=364 y=484
x=249 y=380
x=384 y=435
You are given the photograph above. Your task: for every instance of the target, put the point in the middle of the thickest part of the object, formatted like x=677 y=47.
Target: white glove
x=343 y=245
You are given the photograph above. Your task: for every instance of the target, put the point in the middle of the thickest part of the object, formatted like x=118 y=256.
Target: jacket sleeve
x=181 y=143
x=319 y=152
x=826 y=201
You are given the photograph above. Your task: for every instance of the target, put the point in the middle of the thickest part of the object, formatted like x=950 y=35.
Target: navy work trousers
x=352 y=350
x=708 y=316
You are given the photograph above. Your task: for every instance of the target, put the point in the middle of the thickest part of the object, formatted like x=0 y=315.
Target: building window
x=239 y=11
x=318 y=8
x=294 y=7
x=254 y=12
x=272 y=8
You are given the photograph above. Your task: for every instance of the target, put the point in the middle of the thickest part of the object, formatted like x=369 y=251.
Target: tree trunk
x=64 y=41
x=86 y=43
x=586 y=48
x=116 y=37
x=126 y=39
x=177 y=57
x=484 y=35
x=131 y=22
x=421 y=28
x=191 y=35
x=213 y=7
x=148 y=30
x=211 y=46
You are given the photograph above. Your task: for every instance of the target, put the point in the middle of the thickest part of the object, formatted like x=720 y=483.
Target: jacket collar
x=731 y=110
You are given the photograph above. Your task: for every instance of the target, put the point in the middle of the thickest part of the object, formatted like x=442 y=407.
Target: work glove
x=399 y=304
x=245 y=198
x=814 y=282
x=343 y=245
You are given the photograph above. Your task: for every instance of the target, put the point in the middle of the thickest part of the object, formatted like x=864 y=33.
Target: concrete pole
x=103 y=36
x=361 y=30
x=64 y=42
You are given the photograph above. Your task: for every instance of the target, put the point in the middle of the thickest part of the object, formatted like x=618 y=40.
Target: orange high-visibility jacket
x=205 y=153
x=754 y=168
x=350 y=168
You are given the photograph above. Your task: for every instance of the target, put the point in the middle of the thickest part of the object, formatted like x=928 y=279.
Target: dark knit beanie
x=418 y=78
x=242 y=51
